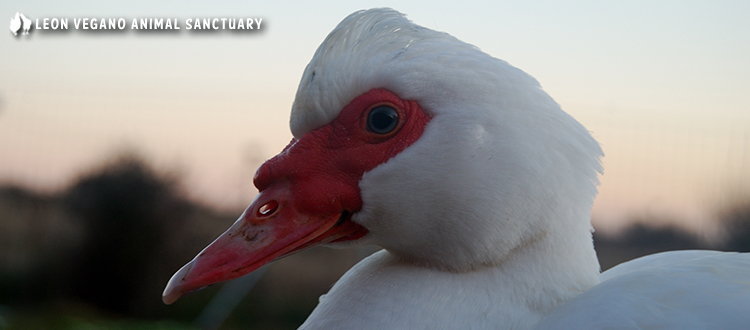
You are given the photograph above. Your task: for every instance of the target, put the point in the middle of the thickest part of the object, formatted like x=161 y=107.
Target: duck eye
x=382 y=119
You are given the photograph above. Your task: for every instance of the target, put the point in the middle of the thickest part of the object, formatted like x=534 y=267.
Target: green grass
x=72 y=316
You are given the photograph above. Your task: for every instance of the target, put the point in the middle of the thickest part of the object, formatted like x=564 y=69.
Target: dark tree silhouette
x=127 y=211
x=736 y=222
x=640 y=240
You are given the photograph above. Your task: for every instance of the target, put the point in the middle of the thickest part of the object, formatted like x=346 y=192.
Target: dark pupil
x=382 y=119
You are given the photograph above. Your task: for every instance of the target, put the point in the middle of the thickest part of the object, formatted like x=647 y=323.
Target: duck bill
x=269 y=229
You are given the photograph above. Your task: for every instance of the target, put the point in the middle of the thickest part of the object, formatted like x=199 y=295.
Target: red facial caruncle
x=308 y=192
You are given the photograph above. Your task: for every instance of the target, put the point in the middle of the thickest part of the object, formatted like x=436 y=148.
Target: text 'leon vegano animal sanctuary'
x=222 y=23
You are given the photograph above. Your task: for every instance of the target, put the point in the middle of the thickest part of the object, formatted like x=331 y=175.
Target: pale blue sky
x=663 y=85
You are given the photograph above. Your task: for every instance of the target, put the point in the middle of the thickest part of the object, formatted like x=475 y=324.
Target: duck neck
x=386 y=291
x=547 y=271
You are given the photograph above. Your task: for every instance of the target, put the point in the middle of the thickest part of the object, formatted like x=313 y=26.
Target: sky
x=662 y=85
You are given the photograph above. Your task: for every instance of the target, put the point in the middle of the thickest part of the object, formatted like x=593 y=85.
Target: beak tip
x=171 y=294
x=170 y=297
x=175 y=289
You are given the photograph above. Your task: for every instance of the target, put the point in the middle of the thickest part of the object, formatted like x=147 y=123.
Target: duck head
x=415 y=141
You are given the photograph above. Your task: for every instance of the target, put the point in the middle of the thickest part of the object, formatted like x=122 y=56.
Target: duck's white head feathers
x=499 y=166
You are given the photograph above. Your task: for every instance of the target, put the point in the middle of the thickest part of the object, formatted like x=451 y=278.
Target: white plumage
x=672 y=290
x=492 y=203
x=485 y=219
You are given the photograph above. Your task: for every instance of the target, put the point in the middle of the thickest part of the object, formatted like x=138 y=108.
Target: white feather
x=673 y=290
x=485 y=219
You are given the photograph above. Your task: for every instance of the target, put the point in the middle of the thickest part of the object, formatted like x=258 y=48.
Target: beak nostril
x=268 y=209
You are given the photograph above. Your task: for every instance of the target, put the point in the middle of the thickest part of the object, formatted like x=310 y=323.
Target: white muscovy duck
x=475 y=183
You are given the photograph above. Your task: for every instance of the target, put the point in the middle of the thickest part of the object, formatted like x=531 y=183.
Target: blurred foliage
x=736 y=222
x=97 y=255
x=640 y=240
x=111 y=241
x=128 y=212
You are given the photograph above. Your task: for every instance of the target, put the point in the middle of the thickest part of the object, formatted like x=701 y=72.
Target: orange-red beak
x=269 y=229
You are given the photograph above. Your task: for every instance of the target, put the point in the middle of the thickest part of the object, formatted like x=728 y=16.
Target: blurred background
x=122 y=154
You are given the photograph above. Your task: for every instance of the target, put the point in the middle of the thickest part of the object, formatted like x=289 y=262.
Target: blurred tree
x=640 y=240
x=736 y=221
x=128 y=212
x=36 y=241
